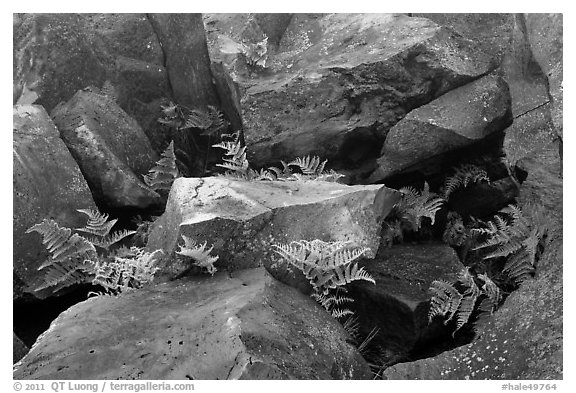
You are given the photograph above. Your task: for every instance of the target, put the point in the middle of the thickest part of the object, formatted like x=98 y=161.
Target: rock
x=54 y=57
x=229 y=94
x=183 y=42
x=19 y=349
x=111 y=149
x=338 y=82
x=484 y=199
x=457 y=119
x=398 y=304
x=544 y=33
x=273 y=25
x=244 y=326
x=243 y=219
x=47 y=183
x=523 y=341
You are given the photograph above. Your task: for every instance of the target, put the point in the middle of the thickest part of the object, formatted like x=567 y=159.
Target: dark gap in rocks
x=358 y=147
x=32 y=318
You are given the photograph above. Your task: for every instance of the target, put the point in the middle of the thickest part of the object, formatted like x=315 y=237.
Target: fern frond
x=341 y=312
x=465 y=310
x=109 y=240
x=162 y=175
x=445 y=300
x=492 y=294
x=199 y=253
x=465 y=174
x=415 y=205
x=98 y=223
x=309 y=165
x=63 y=275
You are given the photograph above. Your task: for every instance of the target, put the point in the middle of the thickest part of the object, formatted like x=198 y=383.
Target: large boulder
x=398 y=304
x=338 y=82
x=110 y=147
x=47 y=183
x=458 y=119
x=544 y=33
x=243 y=219
x=244 y=326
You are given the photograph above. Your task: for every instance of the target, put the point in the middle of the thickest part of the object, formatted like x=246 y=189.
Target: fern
x=161 y=176
x=128 y=269
x=256 y=54
x=235 y=161
x=99 y=227
x=415 y=205
x=517 y=238
x=199 y=253
x=327 y=265
x=311 y=166
x=452 y=303
x=465 y=174
x=68 y=252
x=332 y=303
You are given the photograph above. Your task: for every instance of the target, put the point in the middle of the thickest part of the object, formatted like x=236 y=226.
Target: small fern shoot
x=415 y=205
x=199 y=254
x=465 y=174
x=162 y=175
x=235 y=161
x=327 y=265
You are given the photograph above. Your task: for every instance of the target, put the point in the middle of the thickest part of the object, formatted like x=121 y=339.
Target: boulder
x=544 y=32
x=47 y=183
x=243 y=326
x=19 y=349
x=54 y=56
x=398 y=304
x=111 y=149
x=338 y=82
x=458 y=119
x=243 y=219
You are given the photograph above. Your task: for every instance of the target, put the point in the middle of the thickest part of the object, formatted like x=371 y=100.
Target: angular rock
x=544 y=32
x=455 y=120
x=19 y=349
x=345 y=80
x=54 y=57
x=47 y=183
x=111 y=149
x=243 y=219
x=398 y=304
x=244 y=326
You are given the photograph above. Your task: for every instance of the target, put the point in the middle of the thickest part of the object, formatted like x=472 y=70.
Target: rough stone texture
x=54 y=57
x=544 y=33
x=111 y=149
x=244 y=326
x=338 y=82
x=19 y=349
x=457 y=119
x=243 y=219
x=183 y=41
x=398 y=303
x=47 y=183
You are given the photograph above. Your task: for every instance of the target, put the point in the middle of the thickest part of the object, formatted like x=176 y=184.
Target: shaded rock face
x=243 y=219
x=398 y=304
x=47 y=183
x=336 y=92
x=19 y=349
x=457 y=119
x=242 y=326
x=111 y=149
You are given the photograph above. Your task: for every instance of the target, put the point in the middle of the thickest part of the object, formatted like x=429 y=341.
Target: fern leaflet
x=465 y=174
x=97 y=223
x=199 y=253
x=162 y=175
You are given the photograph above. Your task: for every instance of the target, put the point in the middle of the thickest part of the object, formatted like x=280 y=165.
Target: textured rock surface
x=244 y=326
x=243 y=219
x=47 y=183
x=398 y=304
x=338 y=82
x=111 y=149
x=457 y=119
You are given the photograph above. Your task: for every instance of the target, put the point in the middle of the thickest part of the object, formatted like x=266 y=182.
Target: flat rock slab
x=244 y=326
x=398 y=304
x=243 y=219
x=110 y=147
x=47 y=183
x=455 y=120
